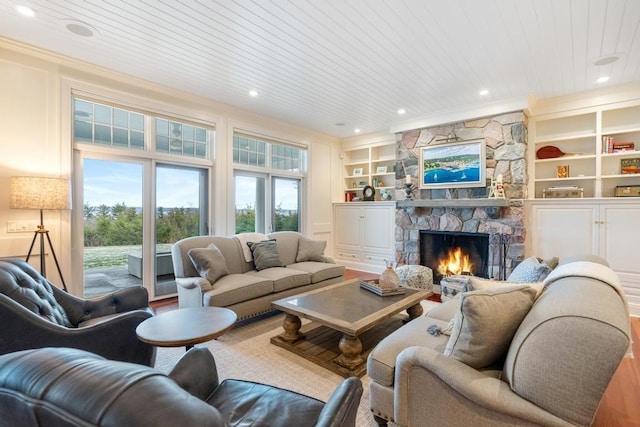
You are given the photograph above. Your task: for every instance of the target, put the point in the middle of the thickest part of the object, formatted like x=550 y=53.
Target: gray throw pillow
x=209 y=262
x=310 y=250
x=529 y=270
x=265 y=254
x=486 y=322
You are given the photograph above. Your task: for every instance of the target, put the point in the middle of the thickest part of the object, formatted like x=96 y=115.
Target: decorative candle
x=408 y=179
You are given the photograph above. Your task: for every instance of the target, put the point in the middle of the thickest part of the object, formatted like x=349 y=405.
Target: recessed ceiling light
x=484 y=92
x=603 y=79
x=79 y=28
x=253 y=93
x=340 y=124
x=401 y=111
x=25 y=11
x=607 y=60
x=357 y=130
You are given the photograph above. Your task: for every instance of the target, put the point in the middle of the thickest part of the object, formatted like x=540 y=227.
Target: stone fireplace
x=466 y=210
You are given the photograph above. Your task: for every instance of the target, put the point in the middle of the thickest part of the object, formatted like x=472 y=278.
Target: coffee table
x=348 y=322
x=186 y=326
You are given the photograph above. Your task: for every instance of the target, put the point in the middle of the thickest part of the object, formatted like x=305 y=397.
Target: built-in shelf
x=452 y=203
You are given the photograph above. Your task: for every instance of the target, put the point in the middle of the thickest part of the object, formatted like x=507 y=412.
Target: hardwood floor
x=620 y=406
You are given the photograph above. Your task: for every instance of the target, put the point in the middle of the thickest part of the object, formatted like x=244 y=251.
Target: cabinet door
x=620 y=236
x=564 y=230
x=347 y=226
x=378 y=228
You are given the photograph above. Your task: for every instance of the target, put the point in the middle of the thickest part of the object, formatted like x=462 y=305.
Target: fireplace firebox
x=448 y=253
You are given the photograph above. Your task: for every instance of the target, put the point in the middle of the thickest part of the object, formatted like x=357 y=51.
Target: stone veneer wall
x=506 y=150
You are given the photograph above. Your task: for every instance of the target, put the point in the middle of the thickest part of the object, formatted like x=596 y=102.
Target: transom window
x=267 y=154
x=101 y=124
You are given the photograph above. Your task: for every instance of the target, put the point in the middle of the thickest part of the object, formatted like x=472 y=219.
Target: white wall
x=35 y=125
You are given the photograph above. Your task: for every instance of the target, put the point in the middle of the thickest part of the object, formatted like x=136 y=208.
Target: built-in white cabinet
x=585 y=136
x=609 y=228
x=369 y=165
x=364 y=234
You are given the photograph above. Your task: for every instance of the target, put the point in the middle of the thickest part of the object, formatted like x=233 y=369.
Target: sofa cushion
x=486 y=322
x=235 y=288
x=283 y=278
x=529 y=270
x=209 y=262
x=381 y=363
x=319 y=271
x=310 y=250
x=265 y=254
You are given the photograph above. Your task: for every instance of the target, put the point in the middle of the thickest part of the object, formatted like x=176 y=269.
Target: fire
x=455 y=262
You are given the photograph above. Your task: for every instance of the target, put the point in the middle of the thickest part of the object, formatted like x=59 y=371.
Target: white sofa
x=243 y=289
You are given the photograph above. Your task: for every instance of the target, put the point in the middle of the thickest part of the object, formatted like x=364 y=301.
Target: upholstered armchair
x=36 y=314
x=62 y=386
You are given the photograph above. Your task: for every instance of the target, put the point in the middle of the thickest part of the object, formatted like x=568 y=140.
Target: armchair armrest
x=426 y=382
x=342 y=407
x=196 y=372
x=329 y=260
x=194 y=282
x=121 y=301
x=113 y=339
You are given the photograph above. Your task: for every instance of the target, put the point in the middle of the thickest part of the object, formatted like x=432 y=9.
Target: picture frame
x=381 y=169
x=562 y=171
x=357 y=171
x=630 y=166
x=461 y=164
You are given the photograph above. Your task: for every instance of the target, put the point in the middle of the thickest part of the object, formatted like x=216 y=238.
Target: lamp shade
x=28 y=192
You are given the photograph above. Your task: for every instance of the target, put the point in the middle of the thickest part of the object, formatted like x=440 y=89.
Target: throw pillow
x=485 y=324
x=310 y=250
x=480 y=284
x=529 y=270
x=265 y=254
x=209 y=262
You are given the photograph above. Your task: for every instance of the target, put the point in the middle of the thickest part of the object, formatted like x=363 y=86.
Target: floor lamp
x=28 y=192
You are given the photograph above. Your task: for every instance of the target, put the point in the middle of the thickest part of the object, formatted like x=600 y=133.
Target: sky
x=111 y=182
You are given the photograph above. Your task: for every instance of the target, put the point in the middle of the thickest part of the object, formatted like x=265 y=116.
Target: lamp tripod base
x=42 y=232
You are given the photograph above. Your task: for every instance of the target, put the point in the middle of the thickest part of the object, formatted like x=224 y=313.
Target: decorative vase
x=389 y=279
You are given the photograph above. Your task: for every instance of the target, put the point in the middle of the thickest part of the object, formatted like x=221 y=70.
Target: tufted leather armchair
x=36 y=314
x=69 y=387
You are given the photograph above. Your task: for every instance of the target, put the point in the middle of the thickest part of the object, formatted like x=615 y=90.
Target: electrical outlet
x=21 y=226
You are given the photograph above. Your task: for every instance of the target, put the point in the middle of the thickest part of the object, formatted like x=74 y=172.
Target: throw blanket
x=245 y=238
x=591 y=270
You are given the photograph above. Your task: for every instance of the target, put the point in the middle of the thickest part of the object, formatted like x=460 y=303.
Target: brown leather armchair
x=37 y=314
x=69 y=387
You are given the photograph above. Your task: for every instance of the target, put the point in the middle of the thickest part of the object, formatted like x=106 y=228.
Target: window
x=145 y=182
x=268 y=184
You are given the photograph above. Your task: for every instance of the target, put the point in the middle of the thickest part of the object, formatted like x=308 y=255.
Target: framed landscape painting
x=453 y=165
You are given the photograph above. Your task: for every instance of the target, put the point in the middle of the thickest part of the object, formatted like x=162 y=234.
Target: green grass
x=114 y=256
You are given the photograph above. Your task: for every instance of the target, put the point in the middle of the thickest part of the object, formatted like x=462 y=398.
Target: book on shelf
x=373 y=287
x=621 y=147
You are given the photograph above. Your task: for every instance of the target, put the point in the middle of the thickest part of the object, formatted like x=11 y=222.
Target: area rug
x=246 y=353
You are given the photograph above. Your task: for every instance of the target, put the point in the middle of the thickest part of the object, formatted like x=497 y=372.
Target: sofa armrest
x=329 y=260
x=342 y=407
x=426 y=382
x=194 y=282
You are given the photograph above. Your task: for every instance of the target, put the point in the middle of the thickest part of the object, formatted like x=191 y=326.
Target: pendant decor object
x=389 y=279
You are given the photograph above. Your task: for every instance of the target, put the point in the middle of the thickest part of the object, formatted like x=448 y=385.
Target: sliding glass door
x=123 y=243
x=112 y=224
x=180 y=211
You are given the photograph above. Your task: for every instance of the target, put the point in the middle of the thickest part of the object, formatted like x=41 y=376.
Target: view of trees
x=285 y=220
x=120 y=225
